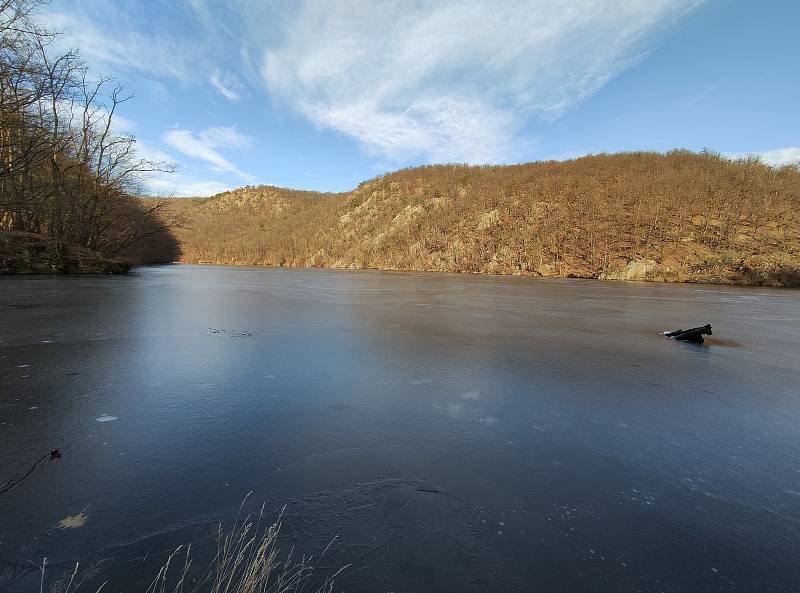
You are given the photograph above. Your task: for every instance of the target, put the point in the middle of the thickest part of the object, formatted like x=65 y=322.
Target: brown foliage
x=696 y=216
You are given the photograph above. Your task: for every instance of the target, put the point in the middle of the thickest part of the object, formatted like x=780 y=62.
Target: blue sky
x=323 y=94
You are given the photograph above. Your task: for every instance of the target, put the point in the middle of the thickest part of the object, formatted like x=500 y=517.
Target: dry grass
x=692 y=216
x=248 y=560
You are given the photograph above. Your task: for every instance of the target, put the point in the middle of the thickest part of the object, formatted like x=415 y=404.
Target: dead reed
x=248 y=560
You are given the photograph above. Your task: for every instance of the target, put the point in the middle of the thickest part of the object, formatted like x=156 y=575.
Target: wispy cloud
x=227 y=84
x=120 y=48
x=206 y=145
x=436 y=80
x=703 y=94
x=453 y=79
x=184 y=186
x=176 y=183
x=122 y=125
x=149 y=152
x=778 y=157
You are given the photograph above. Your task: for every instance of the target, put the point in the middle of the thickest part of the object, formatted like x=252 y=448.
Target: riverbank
x=29 y=253
x=725 y=272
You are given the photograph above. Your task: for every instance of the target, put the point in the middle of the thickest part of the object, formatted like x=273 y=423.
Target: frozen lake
x=458 y=433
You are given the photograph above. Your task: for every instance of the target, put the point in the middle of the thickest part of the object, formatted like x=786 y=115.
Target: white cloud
x=175 y=183
x=778 y=157
x=124 y=47
x=184 y=186
x=122 y=125
x=148 y=152
x=206 y=144
x=453 y=79
x=443 y=129
x=224 y=137
x=227 y=84
x=442 y=80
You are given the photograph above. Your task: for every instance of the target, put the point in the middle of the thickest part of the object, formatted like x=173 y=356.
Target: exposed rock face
x=488 y=220
x=27 y=253
x=637 y=269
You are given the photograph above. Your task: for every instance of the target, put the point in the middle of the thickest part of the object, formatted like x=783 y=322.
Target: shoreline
x=650 y=280
x=29 y=254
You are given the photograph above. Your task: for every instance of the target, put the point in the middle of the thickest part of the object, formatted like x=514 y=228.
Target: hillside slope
x=678 y=216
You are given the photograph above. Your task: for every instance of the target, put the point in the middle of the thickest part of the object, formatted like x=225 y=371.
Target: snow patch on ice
x=73 y=521
x=473 y=395
x=452 y=409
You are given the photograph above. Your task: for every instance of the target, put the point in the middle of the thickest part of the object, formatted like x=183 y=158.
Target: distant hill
x=679 y=216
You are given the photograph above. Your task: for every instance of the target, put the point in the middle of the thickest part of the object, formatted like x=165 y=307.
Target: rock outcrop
x=637 y=269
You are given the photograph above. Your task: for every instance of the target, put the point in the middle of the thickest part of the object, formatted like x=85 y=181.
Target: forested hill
x=679 y=216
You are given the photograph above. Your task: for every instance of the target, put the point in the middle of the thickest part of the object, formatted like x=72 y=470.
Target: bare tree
x=65 y=171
